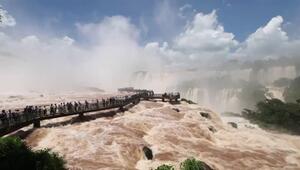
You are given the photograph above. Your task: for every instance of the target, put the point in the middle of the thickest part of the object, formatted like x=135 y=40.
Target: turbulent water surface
x=114 y=140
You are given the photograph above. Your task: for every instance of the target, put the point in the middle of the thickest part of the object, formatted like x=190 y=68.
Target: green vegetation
x=188 y=164
x=275 y=113
x=292 y=93
x=193 y=164
x=15 y=155
x=165 y=167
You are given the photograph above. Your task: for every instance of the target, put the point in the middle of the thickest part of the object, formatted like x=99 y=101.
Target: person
x=44 y=111
x=36 y=111
x=86 y=105
x=15 y=116
x=80 y=106
x=40 y=111
x=9 y=116
x=51 y=109
x=64 y=108
x=97 y=104
x=76 y=106
x=4 y=118
x=103 y=102
x=55 y=108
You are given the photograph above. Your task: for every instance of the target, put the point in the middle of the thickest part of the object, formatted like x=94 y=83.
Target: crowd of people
x=10 y=118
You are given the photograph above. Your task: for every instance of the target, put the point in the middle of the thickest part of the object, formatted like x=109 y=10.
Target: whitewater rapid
x=114 y=140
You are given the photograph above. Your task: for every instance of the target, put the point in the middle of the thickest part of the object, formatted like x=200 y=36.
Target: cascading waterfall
x=220 y=100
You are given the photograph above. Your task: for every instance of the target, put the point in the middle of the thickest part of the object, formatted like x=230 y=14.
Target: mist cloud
x=111 y=53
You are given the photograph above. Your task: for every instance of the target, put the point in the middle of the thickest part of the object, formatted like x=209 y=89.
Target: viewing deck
x=13 y=121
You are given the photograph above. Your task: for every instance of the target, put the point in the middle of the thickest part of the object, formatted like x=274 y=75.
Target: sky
x=237 y=16
x=104 y=42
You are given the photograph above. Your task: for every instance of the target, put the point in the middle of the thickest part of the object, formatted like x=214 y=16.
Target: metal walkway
x=10 y=124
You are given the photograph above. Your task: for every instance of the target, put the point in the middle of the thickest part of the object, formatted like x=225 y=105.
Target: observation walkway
x=12 y=121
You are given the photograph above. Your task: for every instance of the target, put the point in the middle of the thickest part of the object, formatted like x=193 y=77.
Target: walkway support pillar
x=37 y=124
x=121 y=108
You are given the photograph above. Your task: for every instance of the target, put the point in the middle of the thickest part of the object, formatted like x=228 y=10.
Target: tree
x=15 y=155
x=276 y=113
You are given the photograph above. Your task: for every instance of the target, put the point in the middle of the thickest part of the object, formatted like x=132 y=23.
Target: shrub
x=277 y=113
x=193 y=164
x=15 y=155
x=165 y=167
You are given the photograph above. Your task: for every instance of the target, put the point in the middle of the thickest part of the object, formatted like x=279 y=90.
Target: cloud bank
x=109 y=52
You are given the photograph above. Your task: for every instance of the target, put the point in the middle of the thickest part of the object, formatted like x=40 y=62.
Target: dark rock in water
x=206 y=115
x=148 y=153
x=177 y=110
x=212 y=129
x=205 y=166
x=234 y=125
x=188 y=101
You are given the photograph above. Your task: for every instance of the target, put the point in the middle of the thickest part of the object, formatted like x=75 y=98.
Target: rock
x=206 y=115
x=250 y=127
x=205 y=166
x=234 y=125
x=212 y=129
x=148 y=153
x=188 y=101
x=177 y=110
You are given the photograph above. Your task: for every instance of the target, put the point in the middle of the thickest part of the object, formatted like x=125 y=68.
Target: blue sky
x=239 y=17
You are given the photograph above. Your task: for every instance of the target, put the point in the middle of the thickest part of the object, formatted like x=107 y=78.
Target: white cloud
x=110 y=29
x=185 y=10
x=269 y=41
x=205 y=37
x=108 y=61
x=6 y=19
x=203 y=40
x=114 y=51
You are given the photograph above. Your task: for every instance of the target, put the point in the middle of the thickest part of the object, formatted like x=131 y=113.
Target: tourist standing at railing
x=51 y=109
x=76 y=106
x=44 y=111
x=40 y=111
x=103 y=102
x=86 y=105
x=4 y=119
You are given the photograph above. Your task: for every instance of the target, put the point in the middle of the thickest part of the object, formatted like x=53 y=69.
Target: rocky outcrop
x=176 y=109
x=206 y=115
x=148 y=153
x=212 y=129
x=232 y=124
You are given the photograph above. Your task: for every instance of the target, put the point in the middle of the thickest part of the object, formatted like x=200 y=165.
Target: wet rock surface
x=233 y=124
x=148 y=153
x=206 y=115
